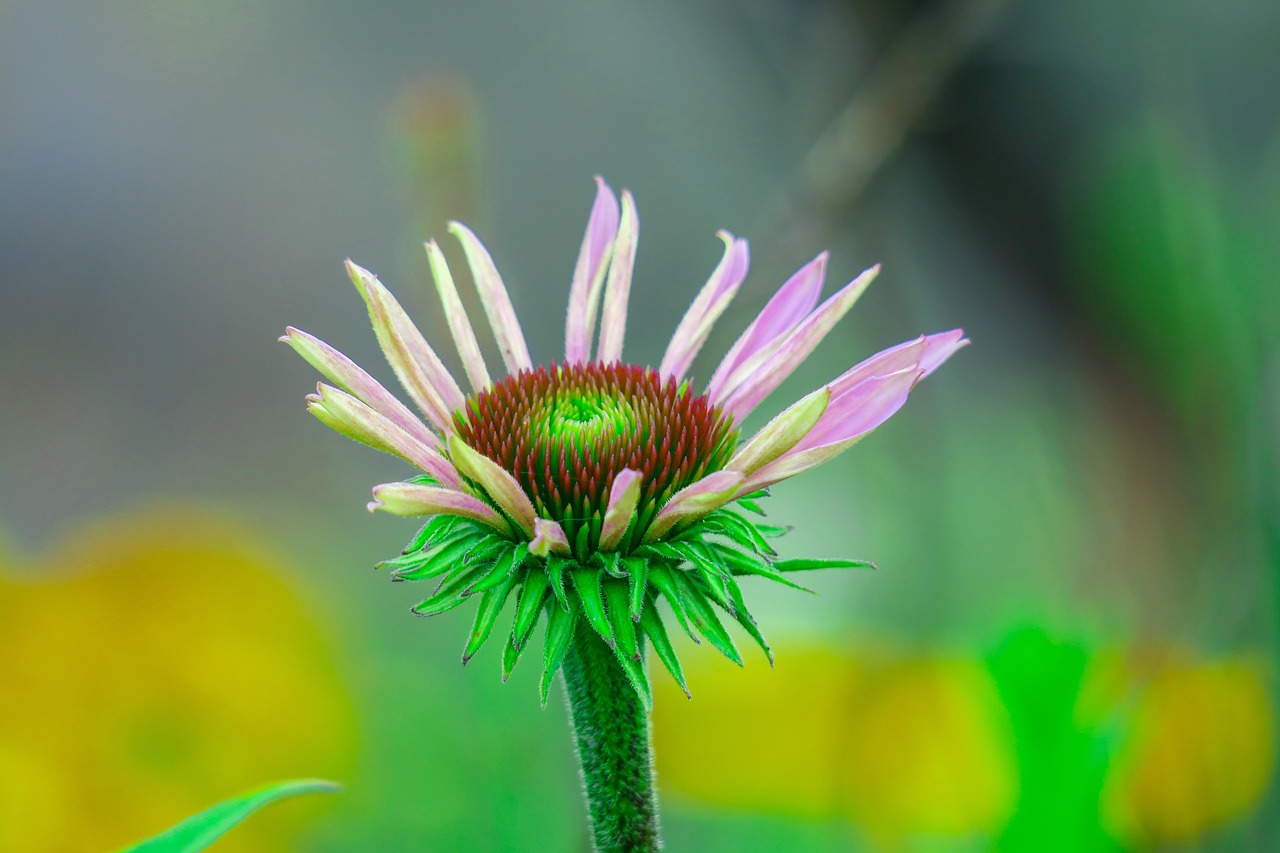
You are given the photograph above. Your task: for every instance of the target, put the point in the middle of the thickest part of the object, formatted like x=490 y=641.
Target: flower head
x=589 y=487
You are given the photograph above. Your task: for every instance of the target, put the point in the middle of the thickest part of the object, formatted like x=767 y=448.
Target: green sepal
x=510 y=655
x=447 y=594
x=637 y=582
x=804 y=565
x=748 y=564
x=556 y=566
x=582 y=540
x=704 y=618
x=751 y=506
x=498 y=572
x=587 y=582
x=434 y=530
x=652 y=625
x=611 y=561
x=529 y=606
x=635 y=671
x=617 y=601
x=740 y=531
x=449 y=557
x=486 y=615
x=747 y=621
x=663 y=579
x=772 y=531
x=559 y=636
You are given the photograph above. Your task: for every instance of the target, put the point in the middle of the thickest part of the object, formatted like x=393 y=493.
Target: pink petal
x=928 y=352
x=494 y=298
x=624 y=494
x=548 y=538
x=795 y=348
x=847 y=419
x=414 y=499
x=782 y=433
x=695 y=501
x=613 y=319
x=348 y=376
x=496 y=481
x=410 y=356
x=464 y=337
x=782 y=313
x=588 y=275
x=710 y=303
x=342 y=412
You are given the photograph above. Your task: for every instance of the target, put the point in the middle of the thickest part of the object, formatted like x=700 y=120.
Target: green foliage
x=614 y=594
x=200 y=830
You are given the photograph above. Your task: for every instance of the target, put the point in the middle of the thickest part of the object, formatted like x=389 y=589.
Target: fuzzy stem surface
x=611 y=732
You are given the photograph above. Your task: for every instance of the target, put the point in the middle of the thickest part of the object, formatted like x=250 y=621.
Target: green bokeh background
x=1092 y=190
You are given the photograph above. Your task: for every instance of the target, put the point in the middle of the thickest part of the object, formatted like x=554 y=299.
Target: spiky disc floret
x=567 y=430
x=696 y=571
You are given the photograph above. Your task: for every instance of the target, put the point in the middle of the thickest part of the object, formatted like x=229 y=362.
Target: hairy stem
x=611 y=732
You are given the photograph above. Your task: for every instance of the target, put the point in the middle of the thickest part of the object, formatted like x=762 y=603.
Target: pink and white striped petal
x=416 y=365
x=413 y=499
x=589 y=274
x=548 y=538
x=927 y=351
x=342 y=412
x=494 y=298
x=624 y=494
x=496 y=481
x=796 y=347
x=848 y=418
x=707 y=307
x=694 y=501
x=348 y=376
x=613 y=317
x=782 y=313
x=781 y=434
x=464 y=337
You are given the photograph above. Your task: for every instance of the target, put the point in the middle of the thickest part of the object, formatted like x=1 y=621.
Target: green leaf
x=651 y=622
x=559 y=636
x=529 y=606
x=587 y=582
x=200 y=830
x=806 y=565
x=486 y=615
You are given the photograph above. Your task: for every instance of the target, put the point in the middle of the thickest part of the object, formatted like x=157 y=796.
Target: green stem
x=611 y=732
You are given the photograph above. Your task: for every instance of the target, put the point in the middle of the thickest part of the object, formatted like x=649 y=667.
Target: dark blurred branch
x=887 y=105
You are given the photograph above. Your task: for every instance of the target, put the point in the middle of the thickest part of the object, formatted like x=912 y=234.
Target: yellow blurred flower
x=902 y=745
x=1199 y=750
x=154 y=665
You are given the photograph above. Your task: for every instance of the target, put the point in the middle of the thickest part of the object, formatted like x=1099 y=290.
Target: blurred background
x=1071 y=641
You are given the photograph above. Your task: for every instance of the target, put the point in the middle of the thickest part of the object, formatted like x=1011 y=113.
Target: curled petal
x=613 y=319
x=624 y=494
x=416 y=365
x=695 y=501
x=494 y=298
x=343 y=413
x=464 y=337
x=496 y=481
x=710 y=303
x=796 y=347
x=548 y=538
x=413 y=499
x=588 y=275
x=781 y=434
x=848 y=418
x=927 y=351
x=782 y=313
x=348 y=376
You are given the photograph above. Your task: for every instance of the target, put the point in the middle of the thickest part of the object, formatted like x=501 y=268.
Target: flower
x=590 y=487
